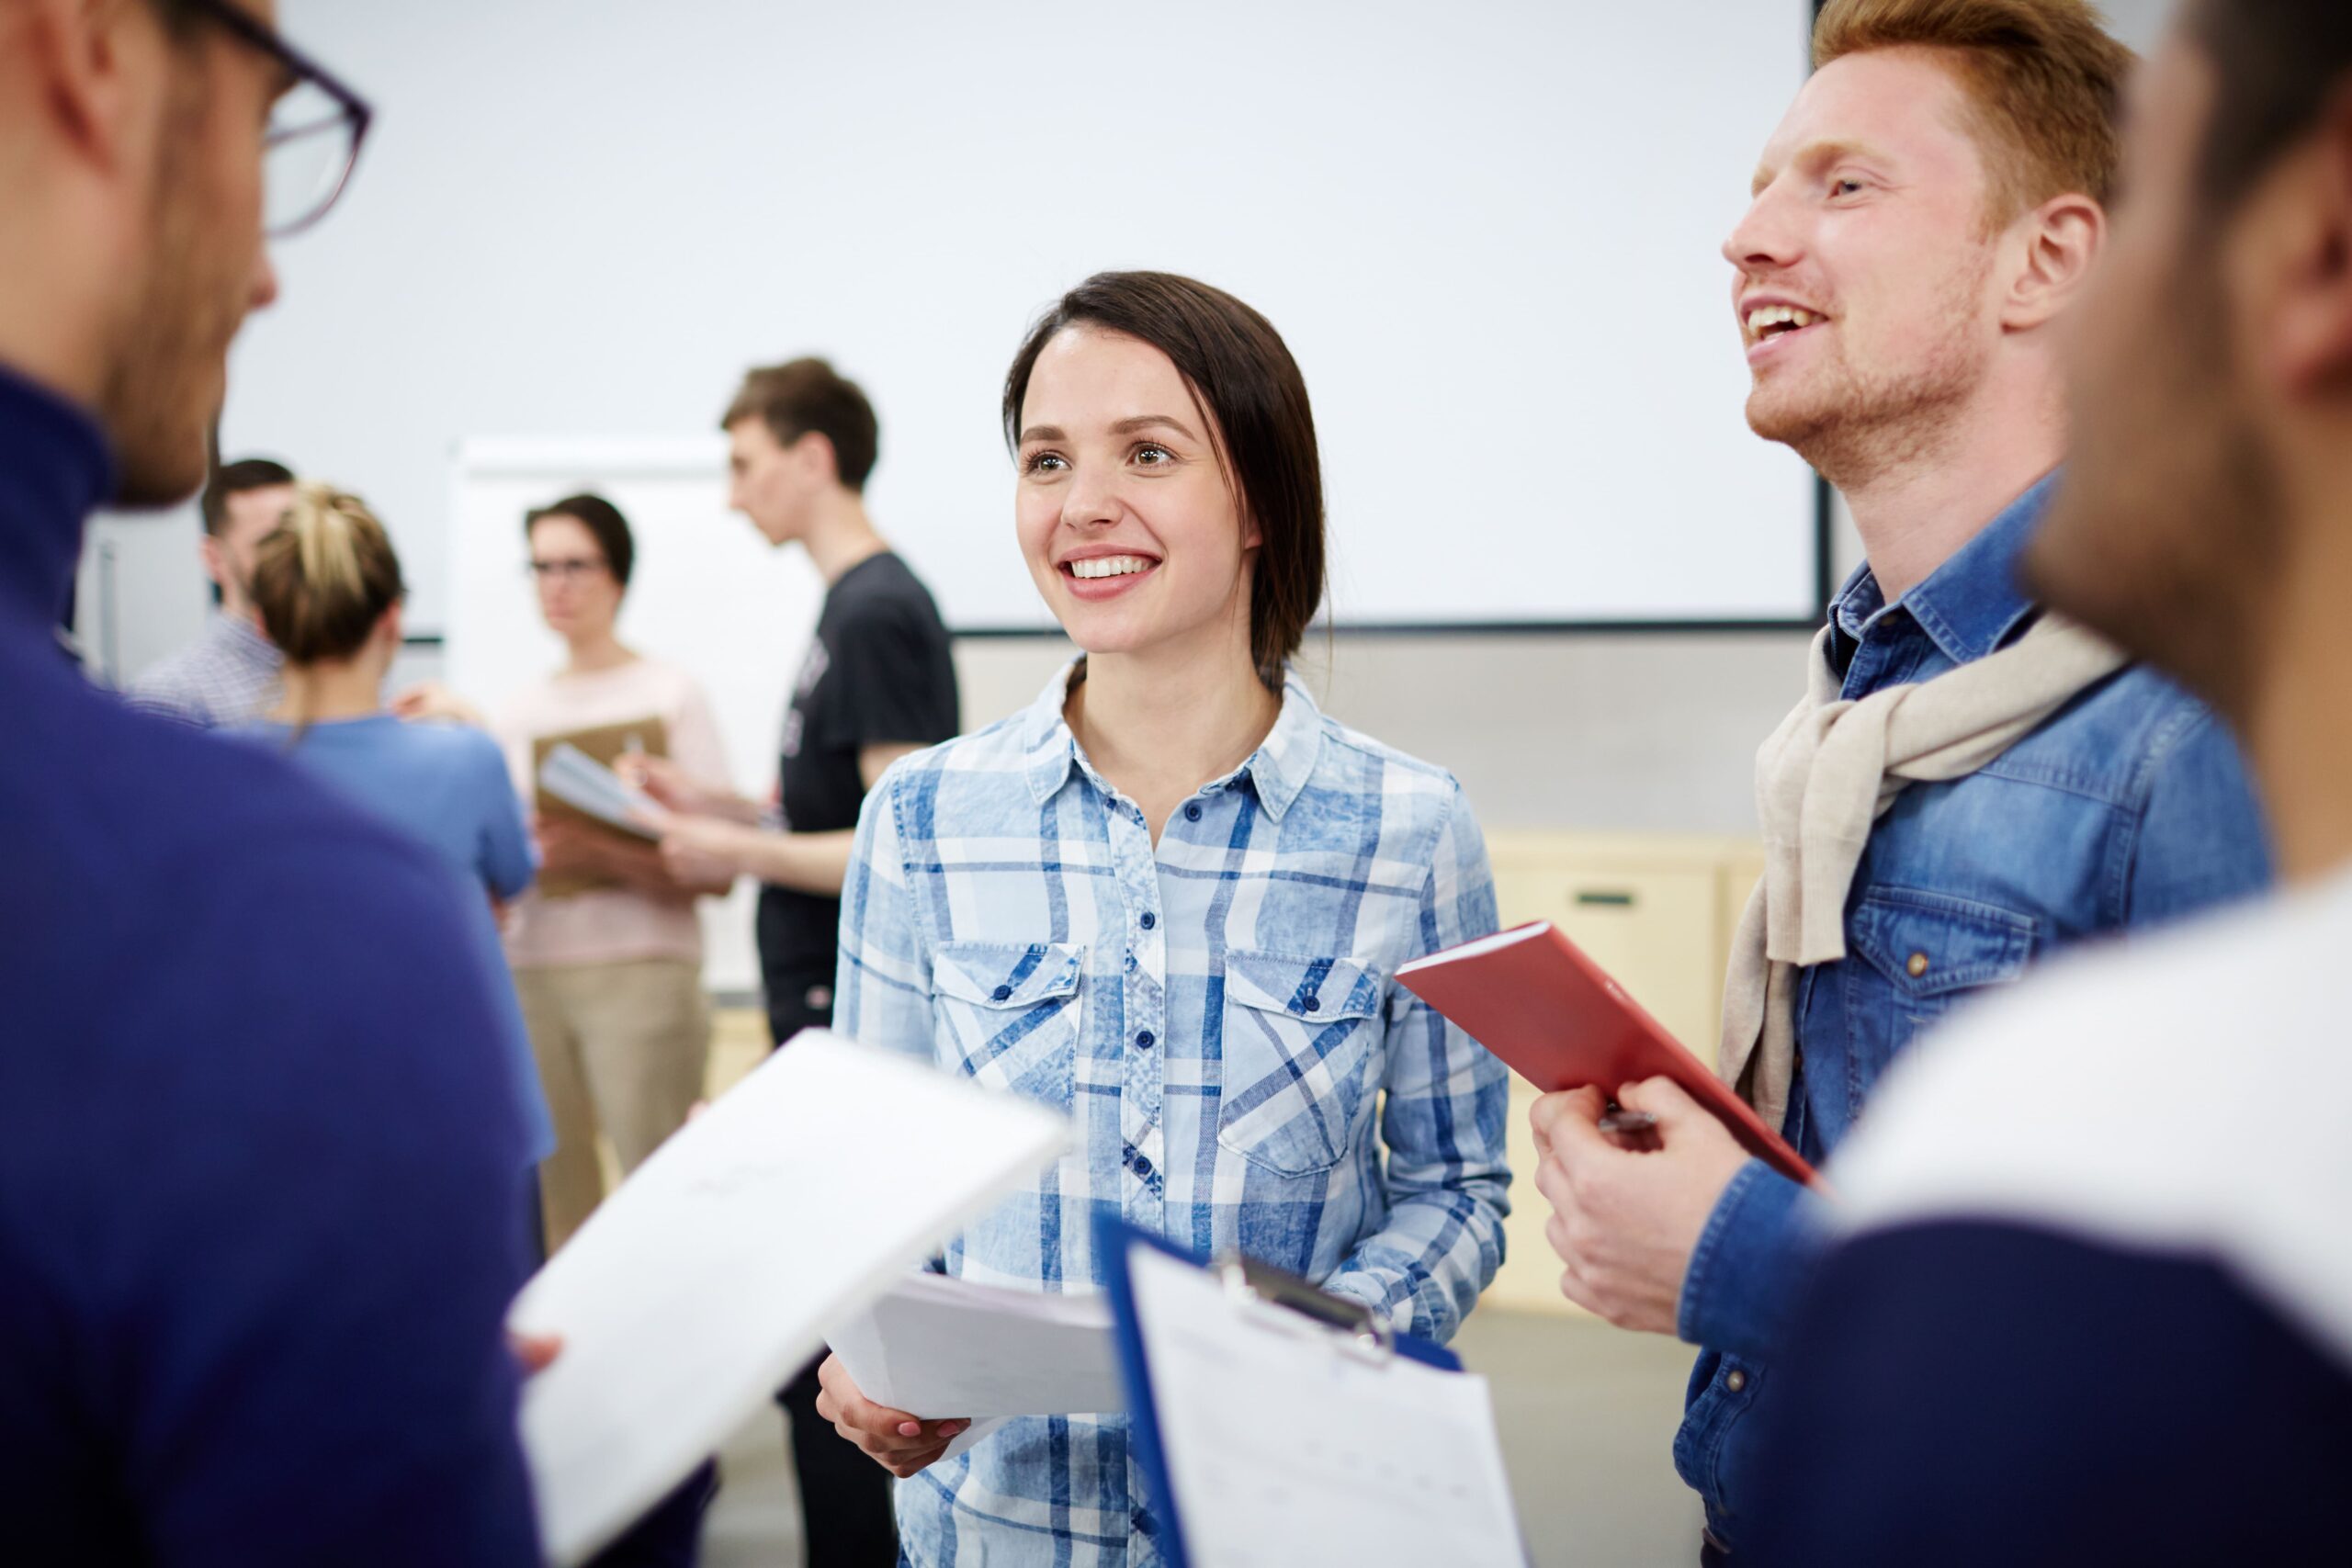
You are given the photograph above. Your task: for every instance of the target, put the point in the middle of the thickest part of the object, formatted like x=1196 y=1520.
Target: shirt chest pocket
x=1299 y=1041
x=1008 y=1013
x=1920 y=952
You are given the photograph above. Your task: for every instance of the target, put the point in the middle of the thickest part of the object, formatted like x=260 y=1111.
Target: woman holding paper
x=1169 y=899
x=607 y=949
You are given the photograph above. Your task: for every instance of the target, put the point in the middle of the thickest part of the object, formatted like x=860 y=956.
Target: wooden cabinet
x=1656 y=911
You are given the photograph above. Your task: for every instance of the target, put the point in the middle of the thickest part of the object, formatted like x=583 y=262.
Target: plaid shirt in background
x=225 y=677
x=1218 y=1014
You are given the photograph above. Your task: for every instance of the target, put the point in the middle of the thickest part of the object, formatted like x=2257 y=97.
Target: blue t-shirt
x=445 y=785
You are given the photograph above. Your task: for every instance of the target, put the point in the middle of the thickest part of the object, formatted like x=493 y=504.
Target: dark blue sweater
x=260 y=1158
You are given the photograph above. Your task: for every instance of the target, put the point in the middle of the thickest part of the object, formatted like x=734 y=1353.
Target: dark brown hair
x=603 y=520
x=2276 y=64
x=2045 y=82
x=805 y=395
x=236 y=478
x=1243 y=377
x=325 y=576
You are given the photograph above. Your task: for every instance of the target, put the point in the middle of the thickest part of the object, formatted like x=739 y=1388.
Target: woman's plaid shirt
x=1219 y=1015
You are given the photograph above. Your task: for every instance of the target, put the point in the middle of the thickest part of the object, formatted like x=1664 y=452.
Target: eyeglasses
x=315 y=128
x=546 y=571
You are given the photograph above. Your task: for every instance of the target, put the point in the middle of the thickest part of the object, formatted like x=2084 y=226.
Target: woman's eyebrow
x=1150 y=421
x=1118 y=427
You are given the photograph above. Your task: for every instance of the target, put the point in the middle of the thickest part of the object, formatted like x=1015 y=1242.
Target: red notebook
x=1533 y=998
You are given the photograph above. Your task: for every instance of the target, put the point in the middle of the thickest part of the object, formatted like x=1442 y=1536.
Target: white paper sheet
x=580 y=781
x=695 y=1291
x=939 y=1348
x=1283 y=1447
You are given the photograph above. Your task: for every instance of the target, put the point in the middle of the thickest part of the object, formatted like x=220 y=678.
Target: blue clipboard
x=1114 y=1241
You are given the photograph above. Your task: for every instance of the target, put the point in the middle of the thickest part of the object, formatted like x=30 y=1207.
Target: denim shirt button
x=1144 y=1039
x=1002 y=992
x=1148 y=920
x=1917 y=967
x=1735 y=1380
x=1192 y=812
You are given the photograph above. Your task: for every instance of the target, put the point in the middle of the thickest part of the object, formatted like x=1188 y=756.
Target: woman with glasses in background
x=606 y=950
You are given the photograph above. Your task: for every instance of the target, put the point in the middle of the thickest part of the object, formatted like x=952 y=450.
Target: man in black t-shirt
x=877 y=684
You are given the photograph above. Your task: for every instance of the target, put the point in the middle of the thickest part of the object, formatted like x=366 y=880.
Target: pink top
x=606 y=925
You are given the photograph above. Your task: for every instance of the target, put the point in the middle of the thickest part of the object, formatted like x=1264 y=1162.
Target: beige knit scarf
x=1827 y=775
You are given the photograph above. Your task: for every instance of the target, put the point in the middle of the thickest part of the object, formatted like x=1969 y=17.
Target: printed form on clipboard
x=1278 y=1425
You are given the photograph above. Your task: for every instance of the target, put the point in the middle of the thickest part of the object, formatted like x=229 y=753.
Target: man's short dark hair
x=804 y=396
x=2278 y=64
x=236 y=478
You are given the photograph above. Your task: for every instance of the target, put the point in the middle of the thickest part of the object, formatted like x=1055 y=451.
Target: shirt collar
x=54 y=470
x=1278 y=770
x=245 y=640
x=1969 y=606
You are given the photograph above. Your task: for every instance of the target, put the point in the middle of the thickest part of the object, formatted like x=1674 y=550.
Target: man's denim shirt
x=2130 y=805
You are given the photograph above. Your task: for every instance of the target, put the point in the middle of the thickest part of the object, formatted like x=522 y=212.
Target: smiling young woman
x=1169 y=898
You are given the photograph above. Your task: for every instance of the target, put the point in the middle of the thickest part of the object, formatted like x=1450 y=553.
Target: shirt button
x=1917 y=967
x=1002 y=992
x=1735 y=1380
x=1312 y=1000
x=1144 y=1039
x=1192 y=813
x=1149 y=920
x=1142 y=1166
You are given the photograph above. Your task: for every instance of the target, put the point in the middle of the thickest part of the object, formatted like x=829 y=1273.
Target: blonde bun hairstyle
x=324 y=578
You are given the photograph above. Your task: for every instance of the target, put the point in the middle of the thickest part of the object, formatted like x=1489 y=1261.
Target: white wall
x=585 y=216
x=1648 y=731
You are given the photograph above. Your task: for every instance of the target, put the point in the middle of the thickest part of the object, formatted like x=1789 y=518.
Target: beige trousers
x=621 y=1047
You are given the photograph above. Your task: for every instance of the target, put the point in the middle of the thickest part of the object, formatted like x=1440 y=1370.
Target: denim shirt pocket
x=1921 y=950
x=1008 y=1013
x=1298 y=1037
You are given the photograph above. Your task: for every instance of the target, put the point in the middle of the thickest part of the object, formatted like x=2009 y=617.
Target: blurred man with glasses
x=260 y=1160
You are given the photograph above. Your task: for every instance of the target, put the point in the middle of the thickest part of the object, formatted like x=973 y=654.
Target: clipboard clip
x=1266 y=1290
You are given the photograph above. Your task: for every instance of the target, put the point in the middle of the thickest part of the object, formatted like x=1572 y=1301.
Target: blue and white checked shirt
x=1218 y=1014
x=227 y=677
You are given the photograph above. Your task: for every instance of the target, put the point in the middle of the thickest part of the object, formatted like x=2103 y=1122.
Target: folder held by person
x=1278 y=1425
x=1533 y=998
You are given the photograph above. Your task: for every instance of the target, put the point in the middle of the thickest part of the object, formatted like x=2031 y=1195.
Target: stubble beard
x=1854 y=427
x=2169 y=534
x=159 y=399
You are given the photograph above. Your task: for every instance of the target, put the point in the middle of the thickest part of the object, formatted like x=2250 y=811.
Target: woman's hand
x=568 y=848
x=897 y=1442
x=430 y=701
x=677 y=789
x=702 y=851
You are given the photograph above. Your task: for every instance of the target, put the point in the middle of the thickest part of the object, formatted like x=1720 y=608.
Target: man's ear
x=816 y=449
x=2063 y=238
x=78 y=52
x=216 y=559
x=2309 y=332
